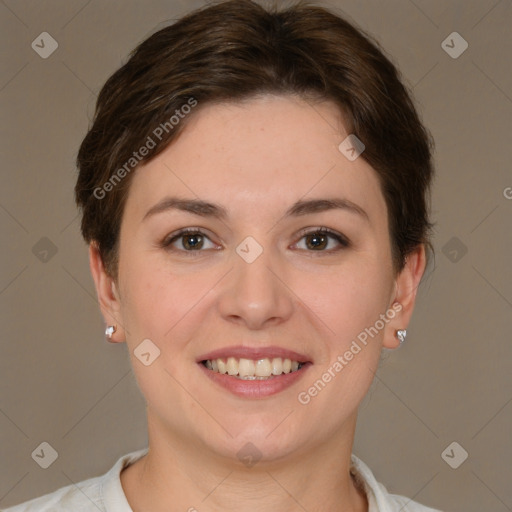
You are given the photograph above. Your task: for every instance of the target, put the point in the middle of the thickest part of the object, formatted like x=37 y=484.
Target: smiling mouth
x=250 y=369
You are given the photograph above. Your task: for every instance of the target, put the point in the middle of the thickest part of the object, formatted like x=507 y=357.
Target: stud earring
x=111 y=329
x=401 y=335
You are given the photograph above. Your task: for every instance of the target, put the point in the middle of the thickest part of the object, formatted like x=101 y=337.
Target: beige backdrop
x=64 y=385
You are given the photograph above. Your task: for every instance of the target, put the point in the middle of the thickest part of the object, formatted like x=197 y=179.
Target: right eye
x=190 y=240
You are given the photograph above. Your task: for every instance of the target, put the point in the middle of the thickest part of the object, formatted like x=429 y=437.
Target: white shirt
x=105 y=493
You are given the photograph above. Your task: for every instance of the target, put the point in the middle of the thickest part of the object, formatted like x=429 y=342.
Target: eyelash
x=342 y=240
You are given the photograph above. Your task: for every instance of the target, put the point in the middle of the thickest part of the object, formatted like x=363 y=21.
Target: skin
x=255 y=159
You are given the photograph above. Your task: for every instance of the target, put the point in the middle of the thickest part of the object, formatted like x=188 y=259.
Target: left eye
x=318 y=240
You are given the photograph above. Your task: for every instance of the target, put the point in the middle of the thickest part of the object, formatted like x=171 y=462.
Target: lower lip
x=256 y=388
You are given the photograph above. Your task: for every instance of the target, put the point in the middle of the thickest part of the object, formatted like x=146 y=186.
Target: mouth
x=251 y=369
x=250 y=372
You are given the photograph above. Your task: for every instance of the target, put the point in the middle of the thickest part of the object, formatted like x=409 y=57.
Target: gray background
x=63 y=384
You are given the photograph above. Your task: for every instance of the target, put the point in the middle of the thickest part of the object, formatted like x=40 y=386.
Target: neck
x=177 y=475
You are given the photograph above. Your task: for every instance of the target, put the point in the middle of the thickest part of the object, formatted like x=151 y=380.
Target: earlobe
x=406 y=287
x=108 y=297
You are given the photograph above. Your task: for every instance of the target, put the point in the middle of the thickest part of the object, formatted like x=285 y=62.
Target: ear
x=108 y=296
x=406 y=287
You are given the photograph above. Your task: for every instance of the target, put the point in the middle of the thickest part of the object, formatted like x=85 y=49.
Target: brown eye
x=316 y=241
x=319 y=240
x=187 y=240
x=192 y=241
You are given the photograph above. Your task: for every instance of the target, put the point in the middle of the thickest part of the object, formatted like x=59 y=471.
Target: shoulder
x=102 y=493
x=379 y=499
x=404 y=504
x=82 y=497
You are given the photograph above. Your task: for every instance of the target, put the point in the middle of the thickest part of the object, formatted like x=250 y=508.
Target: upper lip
x=254 y=353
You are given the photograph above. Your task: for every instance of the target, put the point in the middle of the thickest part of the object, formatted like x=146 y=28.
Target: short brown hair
x=236 y=50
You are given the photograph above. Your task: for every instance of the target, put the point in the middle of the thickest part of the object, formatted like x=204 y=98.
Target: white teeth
x=263 y=368
x=249 y=369
x=277 y=366
x=245 y=367
x=221 y=366
x=232 y=366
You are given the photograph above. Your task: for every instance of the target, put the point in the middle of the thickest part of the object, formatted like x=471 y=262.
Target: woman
x=254 y=194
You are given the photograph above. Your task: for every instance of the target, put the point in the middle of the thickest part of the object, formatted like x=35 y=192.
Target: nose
x=256 y=294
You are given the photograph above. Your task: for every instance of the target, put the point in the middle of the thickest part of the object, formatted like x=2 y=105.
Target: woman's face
x=256 y=280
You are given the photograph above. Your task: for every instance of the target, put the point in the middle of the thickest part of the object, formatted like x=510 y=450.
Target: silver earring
x=111 y=329
x=401 y=335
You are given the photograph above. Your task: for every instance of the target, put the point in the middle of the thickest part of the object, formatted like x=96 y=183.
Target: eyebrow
x=207 y=209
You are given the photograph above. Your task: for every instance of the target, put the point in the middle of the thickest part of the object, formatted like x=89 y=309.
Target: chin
x=256 y=438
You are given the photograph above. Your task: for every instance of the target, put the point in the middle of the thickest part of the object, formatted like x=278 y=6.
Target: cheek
x=159 y=305
x=156 y=300
x=348 y=300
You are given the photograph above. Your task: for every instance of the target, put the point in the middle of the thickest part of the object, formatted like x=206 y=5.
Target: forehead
x=266 y=151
